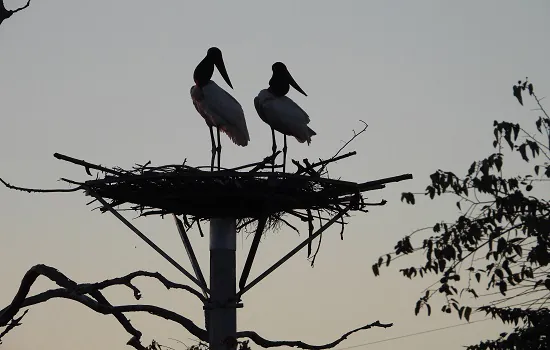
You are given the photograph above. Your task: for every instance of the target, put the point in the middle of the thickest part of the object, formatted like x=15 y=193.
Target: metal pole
x=222 y=317
x=146 y=239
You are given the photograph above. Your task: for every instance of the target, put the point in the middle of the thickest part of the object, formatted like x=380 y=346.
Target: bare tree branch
x=259 y=340
x=14 y=323
x=5 y=14
x=77 y=292
x=126 y=280
x=22 y=8
x=102 y=306
x=38 y=190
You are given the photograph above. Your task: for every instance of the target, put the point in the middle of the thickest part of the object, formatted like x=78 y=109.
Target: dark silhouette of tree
x=5 y=14
x=494 y=258
x=91 y=296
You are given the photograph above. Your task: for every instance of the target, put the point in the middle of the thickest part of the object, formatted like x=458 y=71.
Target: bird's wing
x=283 y=115
x=196 y=96
x=225 y=111
x=258 y=106
x=297 y=110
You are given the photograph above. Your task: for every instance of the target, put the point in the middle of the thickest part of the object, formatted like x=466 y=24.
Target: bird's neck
x=278 y=87
x=203 y=73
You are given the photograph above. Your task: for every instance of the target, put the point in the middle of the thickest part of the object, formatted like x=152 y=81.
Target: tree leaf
x=408 y=197
x=516 y=129
x=517 y=248
x=503 y=287
x=522 y=151
x=467 y=313
x=375 y=270
x=517 y=94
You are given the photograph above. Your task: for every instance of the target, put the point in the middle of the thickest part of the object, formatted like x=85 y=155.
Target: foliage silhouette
x=501 y=238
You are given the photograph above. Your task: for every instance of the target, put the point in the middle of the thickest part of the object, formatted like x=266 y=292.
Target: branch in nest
x=87 y=165
x=312 y=259
x=382 y=202
x=259 y=340
x=260 y=165
x=290 y=225
x=355 y=135
x=38 y=190
x=79 y=292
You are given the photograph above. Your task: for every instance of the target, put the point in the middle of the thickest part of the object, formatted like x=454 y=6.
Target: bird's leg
x=219 y=148
x=273 y=149
x=213 y=149
x=284 y=155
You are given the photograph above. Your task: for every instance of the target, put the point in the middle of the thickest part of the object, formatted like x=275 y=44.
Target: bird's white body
x=283 y=115
x=220 y=109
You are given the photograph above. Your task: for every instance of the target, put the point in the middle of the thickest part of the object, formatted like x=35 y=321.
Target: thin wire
x=412 y=334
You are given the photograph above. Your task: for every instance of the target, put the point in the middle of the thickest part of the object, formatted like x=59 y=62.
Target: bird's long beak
x=293 y=83
x=221 y=68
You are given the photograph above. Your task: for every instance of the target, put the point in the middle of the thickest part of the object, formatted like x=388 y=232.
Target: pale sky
x=108 y=81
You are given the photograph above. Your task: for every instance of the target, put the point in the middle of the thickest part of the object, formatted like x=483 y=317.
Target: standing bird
x=218 y=108
x=280 y=112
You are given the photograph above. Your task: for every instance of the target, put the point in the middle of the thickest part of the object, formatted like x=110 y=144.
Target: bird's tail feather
x=307 y=137
x=238 y=138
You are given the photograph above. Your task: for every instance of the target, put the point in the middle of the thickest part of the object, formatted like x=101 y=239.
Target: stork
x=218 y=108
x=280 y=112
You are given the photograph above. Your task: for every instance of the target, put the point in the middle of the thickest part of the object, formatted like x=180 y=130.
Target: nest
x=245 y=193
x=259 y=197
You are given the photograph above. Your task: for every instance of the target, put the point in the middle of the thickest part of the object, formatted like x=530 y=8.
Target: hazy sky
x=108 y=81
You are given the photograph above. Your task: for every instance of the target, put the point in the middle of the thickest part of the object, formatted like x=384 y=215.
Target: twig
x=325 y=162
x=355 y=135
x=260 y=165
x=86 y=165
x=5 y=14
x=290 y=225
x=38 y=190
x=12 y=324
x=259 y=340
x=126 y=280
x=21 y=8
x=375 y=183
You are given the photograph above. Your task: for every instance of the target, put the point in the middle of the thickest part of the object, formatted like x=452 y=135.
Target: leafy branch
x=501 y=239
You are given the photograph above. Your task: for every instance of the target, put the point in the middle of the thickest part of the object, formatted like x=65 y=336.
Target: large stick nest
x=250 y=191
x=247 y=193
